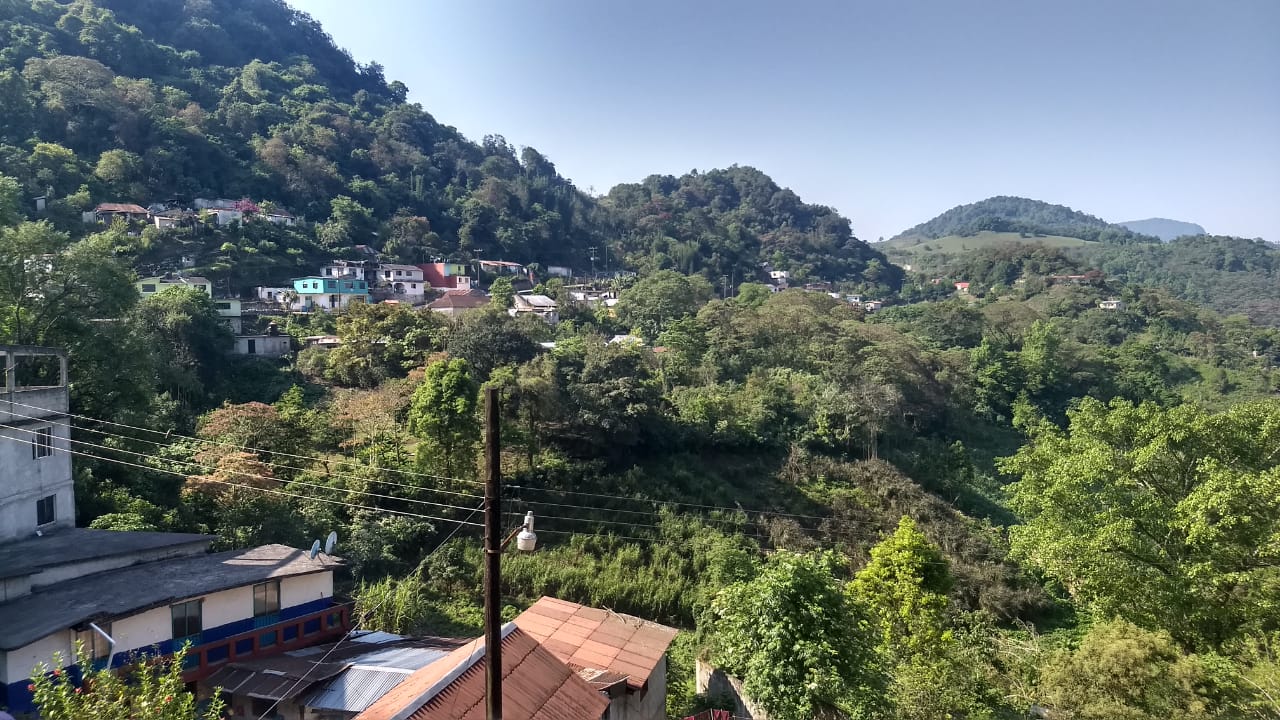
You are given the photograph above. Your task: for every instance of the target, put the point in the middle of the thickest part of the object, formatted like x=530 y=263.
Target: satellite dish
x=331 y=542
x=315 y=549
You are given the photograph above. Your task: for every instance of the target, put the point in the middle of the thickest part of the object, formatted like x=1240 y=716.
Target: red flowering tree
x=151 y=689
x=246 y=206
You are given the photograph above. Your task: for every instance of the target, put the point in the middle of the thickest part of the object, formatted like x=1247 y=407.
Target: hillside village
x=317 y=407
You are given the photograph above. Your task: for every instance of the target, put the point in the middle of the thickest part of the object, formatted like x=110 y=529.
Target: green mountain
x=726 y=222
x=147 y=101
x=1029 y=218
x=1163 y=228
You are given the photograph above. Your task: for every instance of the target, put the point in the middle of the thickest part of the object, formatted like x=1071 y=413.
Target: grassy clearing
x=985 y=239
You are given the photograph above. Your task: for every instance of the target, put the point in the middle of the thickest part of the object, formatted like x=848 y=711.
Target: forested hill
x=1022 y=215
x=149 y=101
x=722 y=220
x=1163 y=228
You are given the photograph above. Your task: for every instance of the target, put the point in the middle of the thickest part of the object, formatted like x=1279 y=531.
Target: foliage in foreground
x=149 y=689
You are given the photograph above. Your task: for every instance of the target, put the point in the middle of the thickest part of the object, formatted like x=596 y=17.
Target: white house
x=404 y=281
x=779 y=278
x=151 y=285
x=540 y=305
x=148 y=592
x=224 y=215
x=36 y=490
x=263 y=345
x=229 y=309
x=344 y=269
x=623 y=657
x=1112 y=304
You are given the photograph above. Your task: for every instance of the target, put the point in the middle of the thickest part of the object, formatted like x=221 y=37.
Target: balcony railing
x=316 y=627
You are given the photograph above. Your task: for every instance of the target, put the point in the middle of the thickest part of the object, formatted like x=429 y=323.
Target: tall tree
x=797 y=642
x=1169 y=518
x=443 y=416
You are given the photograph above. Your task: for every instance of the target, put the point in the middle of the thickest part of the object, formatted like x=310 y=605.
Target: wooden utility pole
x=492 y=557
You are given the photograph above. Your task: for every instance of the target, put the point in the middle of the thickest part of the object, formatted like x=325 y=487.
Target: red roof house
x=620 y=651
x=535 y=686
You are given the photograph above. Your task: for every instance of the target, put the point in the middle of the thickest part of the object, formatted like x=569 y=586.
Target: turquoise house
x=326 y=293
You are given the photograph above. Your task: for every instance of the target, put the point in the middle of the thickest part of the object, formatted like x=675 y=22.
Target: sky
x=890 y=111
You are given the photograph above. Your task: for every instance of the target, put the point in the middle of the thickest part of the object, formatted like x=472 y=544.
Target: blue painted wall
x=16 y=698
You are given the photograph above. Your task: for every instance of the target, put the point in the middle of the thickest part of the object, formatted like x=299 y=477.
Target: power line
x=651 y=514
x=414 y=473
x=251 y=487
x=168 y=434
x=368 y=614
x=326 y=471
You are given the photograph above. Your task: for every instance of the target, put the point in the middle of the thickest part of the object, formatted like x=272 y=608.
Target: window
x=414 y=285
x=266 y=598
x=94 y=644
x=42 y=443
x=46 y=510
x=223 y=305
x=187 y=619
x=201 y=288
x=148 y=287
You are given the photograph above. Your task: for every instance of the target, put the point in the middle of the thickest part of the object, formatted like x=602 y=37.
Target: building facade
x=36 y=489
x=321 y=293
x=151 y=285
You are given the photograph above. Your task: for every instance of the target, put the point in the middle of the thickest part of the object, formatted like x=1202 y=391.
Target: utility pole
x=492 y=558
x=592 y=252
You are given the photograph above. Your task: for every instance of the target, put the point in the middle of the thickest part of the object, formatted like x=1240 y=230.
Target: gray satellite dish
x=315 y=549
x=331 y=542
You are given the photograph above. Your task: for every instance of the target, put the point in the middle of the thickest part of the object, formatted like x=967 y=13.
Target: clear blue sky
x=891 y=111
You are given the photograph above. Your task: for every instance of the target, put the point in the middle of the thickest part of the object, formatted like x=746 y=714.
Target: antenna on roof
x=331 y=542
x=315 y=549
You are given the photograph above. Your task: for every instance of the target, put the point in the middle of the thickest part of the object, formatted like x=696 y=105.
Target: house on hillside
x=446 y=276
x=126 y=594
x=279 y=217
x=320 y=293
x=406 y=282
x=622 y=656
x=345 y=270
x=536 y=685
x=540 y=305
x=229 y=309
x=151 y=285
x=1112 y=304
x=962 y=288
x=110 y=212
x=455 y=302
x=269 y=344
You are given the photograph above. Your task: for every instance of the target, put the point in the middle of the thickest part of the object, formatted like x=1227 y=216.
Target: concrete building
x=345 y=270
x=148 y=592
x=110 y=212
x=455 y=302
x=446 y=276
x=539 y=305
x=267 y=345
x=622 y=656
x=405 y=282
x=320 y=293
x=1112 y=304
x=36 y=490
x=230 y=310
x=151 y=285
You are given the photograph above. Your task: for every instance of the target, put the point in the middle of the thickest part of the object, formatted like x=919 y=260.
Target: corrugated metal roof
x=535 y=686
x=355 y=690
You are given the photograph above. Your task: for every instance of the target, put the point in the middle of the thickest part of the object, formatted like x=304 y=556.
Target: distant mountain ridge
x=1164 y=228
x=1005 y=213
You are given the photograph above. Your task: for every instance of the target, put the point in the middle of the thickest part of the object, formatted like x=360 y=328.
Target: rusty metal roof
x=587 y=637
x=535 y=686
x=121 y=208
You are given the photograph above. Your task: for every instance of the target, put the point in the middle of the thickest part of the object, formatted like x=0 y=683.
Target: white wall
x=264 y=345
x=19 y=663
x=156 y=625
x=305 y=589
x=24 y=480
